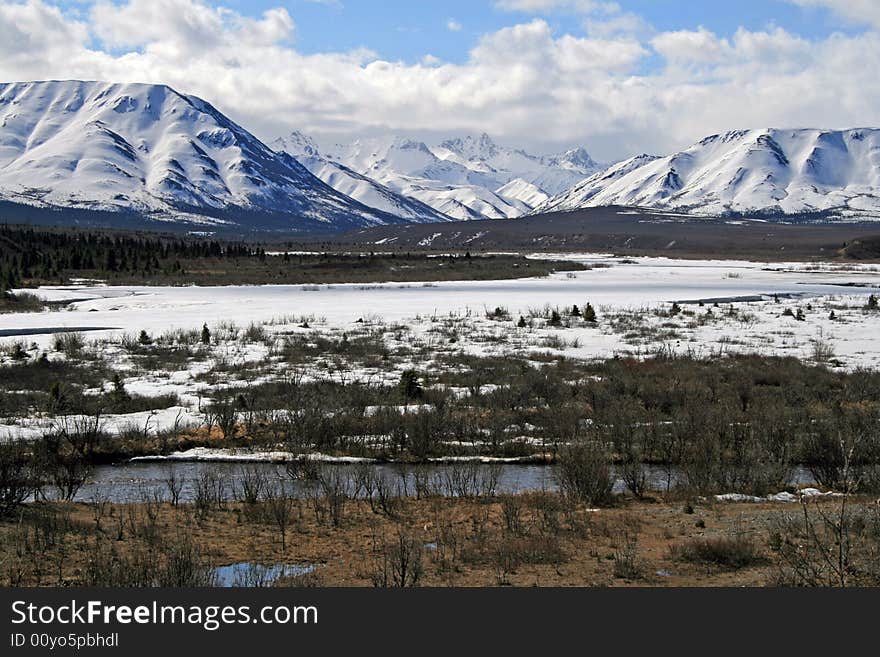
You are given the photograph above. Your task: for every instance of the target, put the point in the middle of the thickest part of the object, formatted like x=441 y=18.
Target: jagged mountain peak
x=297 y=144
x=479 y=147
x=575 y=158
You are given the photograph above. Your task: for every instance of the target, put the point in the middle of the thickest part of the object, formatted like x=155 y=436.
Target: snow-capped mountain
x=464 y=178
x=552 y=174
x=354 y=184
x=769 y=171
x=411 y=169
x=522 y=191
x=149 y=150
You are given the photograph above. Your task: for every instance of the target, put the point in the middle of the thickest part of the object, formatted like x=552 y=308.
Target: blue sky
x=618 y=77
x=408 y=30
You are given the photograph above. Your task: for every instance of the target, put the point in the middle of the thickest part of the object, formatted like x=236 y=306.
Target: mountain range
x=766 y=173
x=149 y=152
x=462 y=178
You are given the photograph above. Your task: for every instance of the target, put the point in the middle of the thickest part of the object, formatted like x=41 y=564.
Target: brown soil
x=467 y=542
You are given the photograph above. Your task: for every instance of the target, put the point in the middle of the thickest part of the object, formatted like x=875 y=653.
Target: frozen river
x=633 y=283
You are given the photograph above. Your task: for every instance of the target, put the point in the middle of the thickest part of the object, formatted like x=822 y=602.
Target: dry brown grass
x=534 y=539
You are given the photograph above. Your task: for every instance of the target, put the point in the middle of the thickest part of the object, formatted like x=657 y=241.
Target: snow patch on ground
x=784 y=496
x=249 y=456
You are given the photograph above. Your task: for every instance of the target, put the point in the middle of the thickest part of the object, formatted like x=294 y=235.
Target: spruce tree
x=590 y=314
x=409 y=385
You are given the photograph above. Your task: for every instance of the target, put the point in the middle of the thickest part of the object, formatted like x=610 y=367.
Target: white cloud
x=617 y=92
x=542 y=6
x=188 y=24
x=619 y=24
x=858 y=11
x=689 y=46
x=453 y=25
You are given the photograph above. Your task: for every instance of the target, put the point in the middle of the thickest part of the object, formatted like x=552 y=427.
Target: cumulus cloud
x=187 y=24
x=453 y=25
x=617 y=91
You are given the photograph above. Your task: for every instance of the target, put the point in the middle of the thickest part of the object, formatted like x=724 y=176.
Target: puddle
x=251 y=574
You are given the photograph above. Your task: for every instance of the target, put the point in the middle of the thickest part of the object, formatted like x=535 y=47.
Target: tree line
x=32 y=255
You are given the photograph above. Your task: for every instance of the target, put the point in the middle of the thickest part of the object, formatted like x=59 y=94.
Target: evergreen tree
x=590 y=314
x=119 y=396
x=409 y=386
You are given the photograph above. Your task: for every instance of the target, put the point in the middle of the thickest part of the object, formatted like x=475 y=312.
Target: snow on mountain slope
x=460 y=176
x=353 y=184
x=746 y=171
x=148 y=149
x=391 y=156
x=411 y=169
x=460 y=201
x=580 y=194
x=522 y=191
x=552 y=173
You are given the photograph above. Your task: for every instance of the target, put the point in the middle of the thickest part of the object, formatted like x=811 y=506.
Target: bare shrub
x=209 y=492
x=512 y=510
x=548 y=508
x=828 y=544
x=19 y=475
x=471 y=479
x=389 y=499
x=177 y=562
x=281 y=509
x=627 y=564
x=732 y=552
x=252 y=485
x=174 y=485
x=70 y=344
x=584 y=473
x=398 y=562
x=332 y=493
x=822 y=348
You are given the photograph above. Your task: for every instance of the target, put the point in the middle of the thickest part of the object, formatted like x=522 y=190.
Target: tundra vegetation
x=502 y=385
x=51 y=256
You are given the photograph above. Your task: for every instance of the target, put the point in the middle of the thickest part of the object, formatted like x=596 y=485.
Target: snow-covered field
x=630 y=284
x=745 y=307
